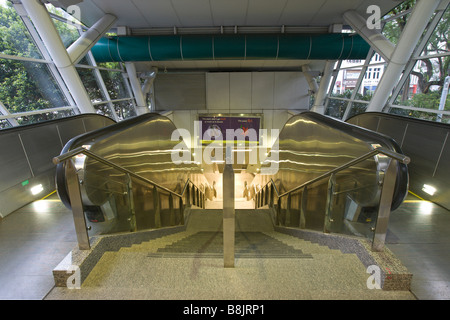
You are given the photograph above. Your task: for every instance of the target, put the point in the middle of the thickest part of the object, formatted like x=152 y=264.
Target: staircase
x=189 y=265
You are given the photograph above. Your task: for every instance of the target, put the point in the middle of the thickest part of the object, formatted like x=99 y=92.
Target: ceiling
x=142 y=17
x=137 y=14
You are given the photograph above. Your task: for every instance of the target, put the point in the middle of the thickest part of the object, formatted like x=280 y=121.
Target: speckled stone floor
x=183 y=266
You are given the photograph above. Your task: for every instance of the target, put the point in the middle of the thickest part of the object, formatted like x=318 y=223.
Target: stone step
x=154 y=244
x=305 y=245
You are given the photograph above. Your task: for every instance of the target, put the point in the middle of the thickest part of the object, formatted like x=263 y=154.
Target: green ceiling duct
x=333 y=46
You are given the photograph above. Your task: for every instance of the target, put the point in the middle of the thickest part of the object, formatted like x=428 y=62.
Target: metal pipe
x=328 y=46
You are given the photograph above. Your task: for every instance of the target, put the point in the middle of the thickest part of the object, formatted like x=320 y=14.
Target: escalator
x=147 y=192
x=309 y=146
x=425 y=142
x=279 y=233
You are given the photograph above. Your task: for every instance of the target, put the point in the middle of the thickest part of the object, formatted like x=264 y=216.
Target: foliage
x=430 y=71
x=29 y=86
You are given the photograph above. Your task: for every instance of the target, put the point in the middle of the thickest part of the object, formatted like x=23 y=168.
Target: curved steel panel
x=311 y=144
x=142 y=144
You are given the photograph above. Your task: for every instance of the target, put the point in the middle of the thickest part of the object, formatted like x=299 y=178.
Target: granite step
x=305 y=245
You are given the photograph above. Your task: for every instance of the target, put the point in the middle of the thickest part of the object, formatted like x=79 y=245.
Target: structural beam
x=51 y=39
x=319 y=101
x=383 y=46
x=139 y=96
x=87 y=40
x=311 y=81
x=402 y=53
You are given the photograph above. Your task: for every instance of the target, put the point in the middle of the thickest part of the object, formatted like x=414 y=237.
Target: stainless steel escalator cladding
x=310 y=145
x=143 y=146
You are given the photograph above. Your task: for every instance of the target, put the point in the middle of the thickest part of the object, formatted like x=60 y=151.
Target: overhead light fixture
x=429 y=189
x=37 y=189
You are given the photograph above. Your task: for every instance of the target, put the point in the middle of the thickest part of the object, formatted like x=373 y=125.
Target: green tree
x=25 y=86
x=432 y=72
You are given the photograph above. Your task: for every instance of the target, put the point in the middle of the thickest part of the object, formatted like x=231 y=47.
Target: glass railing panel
x=294 y=203
x=353 y=205
x=107 y=203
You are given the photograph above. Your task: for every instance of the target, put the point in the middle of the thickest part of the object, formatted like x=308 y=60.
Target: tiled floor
x=420 y=238
x=35 y=238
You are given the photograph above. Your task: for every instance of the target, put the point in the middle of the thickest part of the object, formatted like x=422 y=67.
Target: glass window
x=89 y=79
x=115 y=84
x=423 y=87
x=125 y=109
x=15 y=39
x=68 y=28
x=28 y=86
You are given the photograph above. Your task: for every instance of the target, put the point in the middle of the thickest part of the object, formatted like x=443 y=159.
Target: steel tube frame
x=319 y=101
x=409 y=38
x=53 y=43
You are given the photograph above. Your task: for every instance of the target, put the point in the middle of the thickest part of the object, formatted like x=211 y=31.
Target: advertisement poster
x=213 y=128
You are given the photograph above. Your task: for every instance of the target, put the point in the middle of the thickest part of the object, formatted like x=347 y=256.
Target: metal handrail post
x=132 y=218
x=76 y=203
x=384 y=208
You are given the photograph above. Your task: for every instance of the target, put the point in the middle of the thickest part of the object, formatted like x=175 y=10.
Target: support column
x=377 y=41
x=319 y=101
x=87 y=40
x=228 y=212
x=311 y=82
x=409 y=38
x=141 y=107
x=54 y=45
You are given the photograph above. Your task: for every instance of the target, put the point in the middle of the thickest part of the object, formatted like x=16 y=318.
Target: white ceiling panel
x=229 y=13
x=158 y=13
x=195 y=13
x=191 y=12
x=295 y=13
x=264 y=13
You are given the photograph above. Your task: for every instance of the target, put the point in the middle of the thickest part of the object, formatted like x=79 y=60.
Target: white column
x=86 y=41
x=52 y=41
x=141 y=107
x=409 y=38
x=372 y=36
x=311 y=81
x=319 y=101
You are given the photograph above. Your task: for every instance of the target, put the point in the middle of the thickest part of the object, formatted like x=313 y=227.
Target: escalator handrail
x=80 y=150
x=392 y=154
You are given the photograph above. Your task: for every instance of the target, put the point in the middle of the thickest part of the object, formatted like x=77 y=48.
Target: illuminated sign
x=237 y=129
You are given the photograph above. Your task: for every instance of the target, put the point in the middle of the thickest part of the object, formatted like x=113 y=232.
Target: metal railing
x=266 y=195
x=73 y=186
